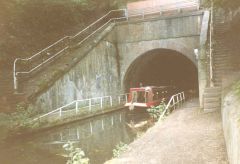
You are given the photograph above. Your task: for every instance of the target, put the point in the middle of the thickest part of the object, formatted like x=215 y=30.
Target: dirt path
x=187 y=136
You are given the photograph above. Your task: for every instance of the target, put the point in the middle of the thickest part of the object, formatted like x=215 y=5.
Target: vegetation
x=120 y=148
x=75 y=155
x=18 y=121
x=27 y=26
x=225 y=4
x=236 y=88
x=155 y=112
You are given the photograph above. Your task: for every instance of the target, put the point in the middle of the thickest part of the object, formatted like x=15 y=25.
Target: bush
x=120 y=148
x=155 y=112
x=75 y=155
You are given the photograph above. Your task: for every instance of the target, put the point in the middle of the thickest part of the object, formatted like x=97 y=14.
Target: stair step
x=212 y=99
x=211 y=95
x=212 y=89
x=212 y=104
x=221 y=60
x=209 y=110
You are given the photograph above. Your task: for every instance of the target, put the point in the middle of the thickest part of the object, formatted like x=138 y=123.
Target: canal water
x=97 y=137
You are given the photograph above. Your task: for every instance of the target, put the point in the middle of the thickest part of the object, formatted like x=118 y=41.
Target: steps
x=221 y=51
x=212 y=99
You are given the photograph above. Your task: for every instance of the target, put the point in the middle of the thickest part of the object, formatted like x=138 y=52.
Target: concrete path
x=187 y=136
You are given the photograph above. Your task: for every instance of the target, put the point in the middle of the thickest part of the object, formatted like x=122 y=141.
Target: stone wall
x=95 y=75
x=231 y=124
x=102 y=70
x=179 y=33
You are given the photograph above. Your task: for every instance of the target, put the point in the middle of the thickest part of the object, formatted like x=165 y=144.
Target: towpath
x=187 y=136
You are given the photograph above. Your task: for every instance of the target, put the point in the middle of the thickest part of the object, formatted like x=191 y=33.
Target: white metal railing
x=47 y=55
x=174 y=100
x=211 y=47
x=97 y=103
x=178 y=6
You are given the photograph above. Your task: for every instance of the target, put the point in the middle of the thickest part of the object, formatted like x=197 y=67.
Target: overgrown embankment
x=27 y=26
x=231 y=121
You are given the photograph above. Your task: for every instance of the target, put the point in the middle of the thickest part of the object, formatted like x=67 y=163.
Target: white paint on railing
x=142 y=13
x=101 y=102
x=180 y=97
x=75 y=105
x=90 y=104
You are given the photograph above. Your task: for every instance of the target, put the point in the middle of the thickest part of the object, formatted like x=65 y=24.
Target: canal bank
x=186 y=136
x=96 y=136
x=22 y=123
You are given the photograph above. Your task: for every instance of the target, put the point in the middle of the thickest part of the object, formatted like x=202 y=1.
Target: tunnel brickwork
x=105 y=69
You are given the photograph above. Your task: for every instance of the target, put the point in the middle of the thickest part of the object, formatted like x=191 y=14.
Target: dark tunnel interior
x=163 y=67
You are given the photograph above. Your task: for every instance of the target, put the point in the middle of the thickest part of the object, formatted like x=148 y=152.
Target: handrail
x=69 y=39
x=175 y=99
x=211 y=47
x=167 y=7
x=98 y=21
x=88 y=101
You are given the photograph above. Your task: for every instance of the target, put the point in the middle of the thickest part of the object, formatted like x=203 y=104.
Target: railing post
x=90 y=104
x=177 y=98
x=174 y=103
x=15 y=83
x=119 y=100
x=183 y=96
x=111 y=102
x=126 y=13
x=60 y=112
x=101 y=102
x=181 y=100
x=91 y=128
x=126 y=98
x=76 y=107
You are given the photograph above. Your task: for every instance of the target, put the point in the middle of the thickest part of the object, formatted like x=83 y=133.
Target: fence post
x=101 y=102
x=90 y=105
x=126 y=97
x=76 y=107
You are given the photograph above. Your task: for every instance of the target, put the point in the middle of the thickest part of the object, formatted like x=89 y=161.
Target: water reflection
x=97 y=137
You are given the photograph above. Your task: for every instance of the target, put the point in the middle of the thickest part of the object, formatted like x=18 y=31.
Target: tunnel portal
x=162 y=67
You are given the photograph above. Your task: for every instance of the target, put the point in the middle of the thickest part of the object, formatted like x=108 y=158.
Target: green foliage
x=236 y=88
x=20 y=118
x=27 y=26
x=155 y=112
x=76 y=155
x=225 y=4
x=120 y=148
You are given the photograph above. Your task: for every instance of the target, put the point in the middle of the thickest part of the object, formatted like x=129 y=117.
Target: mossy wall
x=231 y=122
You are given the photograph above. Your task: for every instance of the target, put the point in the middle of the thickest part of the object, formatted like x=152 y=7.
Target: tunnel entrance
x=163 y=67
